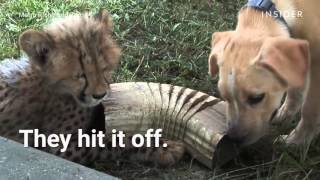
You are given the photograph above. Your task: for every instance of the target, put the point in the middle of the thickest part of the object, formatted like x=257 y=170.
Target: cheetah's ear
x=36 y=44
x=104 y=17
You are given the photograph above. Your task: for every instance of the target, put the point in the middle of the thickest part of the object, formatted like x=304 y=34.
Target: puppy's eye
x=256 y=99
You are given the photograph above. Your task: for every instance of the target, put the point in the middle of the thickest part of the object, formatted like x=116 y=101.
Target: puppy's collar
x=268 y=7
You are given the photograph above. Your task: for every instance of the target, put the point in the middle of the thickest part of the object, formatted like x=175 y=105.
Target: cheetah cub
x=58 y=88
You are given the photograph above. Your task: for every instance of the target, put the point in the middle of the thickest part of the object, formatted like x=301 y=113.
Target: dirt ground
x=258 y=156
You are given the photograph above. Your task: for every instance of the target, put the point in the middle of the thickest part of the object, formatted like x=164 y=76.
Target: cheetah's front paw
x=170 y=155
x=161 y=156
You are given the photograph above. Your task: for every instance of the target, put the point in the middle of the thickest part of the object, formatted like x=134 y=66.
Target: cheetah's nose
x=99 y=96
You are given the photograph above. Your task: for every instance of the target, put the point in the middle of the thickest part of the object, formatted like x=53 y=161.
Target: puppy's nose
x=235 y=135
x=99 y=96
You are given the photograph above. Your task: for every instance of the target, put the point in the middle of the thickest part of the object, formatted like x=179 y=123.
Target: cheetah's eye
x=80 y=75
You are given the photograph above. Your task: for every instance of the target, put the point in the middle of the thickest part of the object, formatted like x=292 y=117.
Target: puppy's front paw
x=285 y=117
x=170 y=155
x=280 y=139
x=298 y=139
x=287 y=141
x=292 y=139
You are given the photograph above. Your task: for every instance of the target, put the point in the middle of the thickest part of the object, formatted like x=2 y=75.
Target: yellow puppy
x=261 y=60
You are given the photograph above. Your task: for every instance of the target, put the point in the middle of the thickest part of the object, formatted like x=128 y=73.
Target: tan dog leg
x=290 y=107
x=309 y=125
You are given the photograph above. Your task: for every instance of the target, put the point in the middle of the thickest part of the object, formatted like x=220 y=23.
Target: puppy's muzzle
x=235 y=135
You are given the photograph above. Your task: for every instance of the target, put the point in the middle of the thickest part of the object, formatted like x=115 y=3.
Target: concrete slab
x=18 y=162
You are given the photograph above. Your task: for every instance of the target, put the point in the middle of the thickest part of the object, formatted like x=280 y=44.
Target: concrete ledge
x=17 y=162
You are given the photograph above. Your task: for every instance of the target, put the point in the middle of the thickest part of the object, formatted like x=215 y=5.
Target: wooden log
x=190 y=116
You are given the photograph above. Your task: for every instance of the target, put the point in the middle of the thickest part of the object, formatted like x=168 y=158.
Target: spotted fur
x=57 y=88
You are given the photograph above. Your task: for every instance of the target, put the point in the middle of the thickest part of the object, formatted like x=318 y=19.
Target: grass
x=165 y=41
x=167 y=47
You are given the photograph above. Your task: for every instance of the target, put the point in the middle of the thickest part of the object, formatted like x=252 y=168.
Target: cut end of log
x=225 y=151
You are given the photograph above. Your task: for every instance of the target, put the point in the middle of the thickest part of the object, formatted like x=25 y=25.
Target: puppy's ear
x=104 y=17
x=36 y=45
x=218 y=42
x=287 y=58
